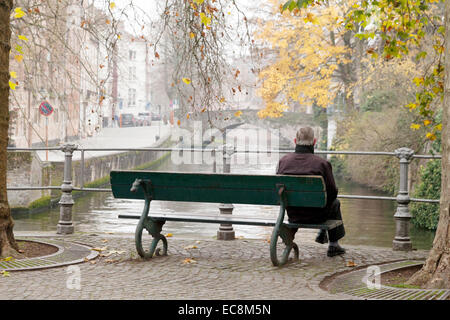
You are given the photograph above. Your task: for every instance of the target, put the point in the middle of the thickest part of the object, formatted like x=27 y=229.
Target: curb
x=68 y=253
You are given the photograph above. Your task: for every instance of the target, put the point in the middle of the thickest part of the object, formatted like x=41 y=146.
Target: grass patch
x=40 y=203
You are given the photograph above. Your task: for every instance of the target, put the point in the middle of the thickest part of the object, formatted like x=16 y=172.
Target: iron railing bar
x=34 y=149
x=425 y=156
x=33 y=188
x=92 y=189
x=354 y=196
x=425 y=200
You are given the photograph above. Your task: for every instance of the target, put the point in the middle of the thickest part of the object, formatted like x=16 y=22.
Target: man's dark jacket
x=304 y=162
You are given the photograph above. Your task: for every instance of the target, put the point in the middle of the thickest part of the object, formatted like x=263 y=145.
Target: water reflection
x=367 y=222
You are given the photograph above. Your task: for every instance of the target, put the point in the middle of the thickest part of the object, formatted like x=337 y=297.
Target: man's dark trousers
x=330 y=212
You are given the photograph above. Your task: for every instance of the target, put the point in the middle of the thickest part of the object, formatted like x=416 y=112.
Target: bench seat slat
x=301 y=191
x=327 y=225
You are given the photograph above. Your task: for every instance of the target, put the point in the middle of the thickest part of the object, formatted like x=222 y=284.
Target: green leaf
x=421 y=55
x=287 y=4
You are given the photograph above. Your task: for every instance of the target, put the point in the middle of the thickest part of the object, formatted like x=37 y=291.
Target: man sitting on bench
x=304 y=162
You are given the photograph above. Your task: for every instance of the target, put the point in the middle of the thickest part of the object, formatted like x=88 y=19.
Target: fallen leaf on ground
x=351 y=264
x=93 y=262
x=110 y=261
x=115 y=252
x=189 y=260
x=190 y=247
x=5 y=273
x=197 y=242
x=100 y=249
x=105 y=240
x=169 y=235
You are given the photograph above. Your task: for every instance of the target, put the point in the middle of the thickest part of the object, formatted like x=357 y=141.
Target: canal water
x=367 y=222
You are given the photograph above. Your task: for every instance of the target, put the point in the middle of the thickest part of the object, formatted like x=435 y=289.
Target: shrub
x=426 y=215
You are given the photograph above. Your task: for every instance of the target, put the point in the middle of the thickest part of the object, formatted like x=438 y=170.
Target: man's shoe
x=335 y=251
x=322 y=237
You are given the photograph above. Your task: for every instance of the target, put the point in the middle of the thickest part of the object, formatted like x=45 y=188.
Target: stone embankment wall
x=25 y=169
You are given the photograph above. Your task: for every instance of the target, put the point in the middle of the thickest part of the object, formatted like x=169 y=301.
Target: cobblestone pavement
x=219 y=270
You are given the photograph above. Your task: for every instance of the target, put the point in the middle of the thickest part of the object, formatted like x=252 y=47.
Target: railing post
x=65 y=224
x=226 y=231
x=402 y=216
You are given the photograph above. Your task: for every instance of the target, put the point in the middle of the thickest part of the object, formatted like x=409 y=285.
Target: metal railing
x=402 y=215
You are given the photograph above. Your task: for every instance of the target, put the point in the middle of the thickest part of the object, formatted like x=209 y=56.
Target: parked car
x=156 y=117
x=144 y=119
x=127 y=120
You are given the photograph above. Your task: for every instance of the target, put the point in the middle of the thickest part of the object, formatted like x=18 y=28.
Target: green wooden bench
x=282 y=190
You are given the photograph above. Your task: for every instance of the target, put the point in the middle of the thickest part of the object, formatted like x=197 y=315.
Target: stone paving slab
x=218 y=270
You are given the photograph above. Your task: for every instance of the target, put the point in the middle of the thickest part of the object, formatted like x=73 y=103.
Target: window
x=131 y=98
x=132 y=55
x=132 y=73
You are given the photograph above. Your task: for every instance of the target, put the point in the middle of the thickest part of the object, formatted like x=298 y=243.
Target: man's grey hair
x=305 y=136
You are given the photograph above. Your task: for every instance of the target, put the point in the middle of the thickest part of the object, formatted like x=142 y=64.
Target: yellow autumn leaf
x=222 y=100
x=112 y=5
x=238 y=114
x=18 y=58
x=411 y=106
x=415 y=126
x=418 y=81
x=19 y=13
x=187 y=80
x=99 y=249
x=199 y=1
x=169 y=234
x=12 y=85
x=192 y=35
x=179 y=122
x=351 y=264
x=188 y=116
x=189 y=260
x=13 y=74
x=23 y=38
x=205 y=20
x=203 y=110
x=431 y=136
x=426 y=122
x=439 y=127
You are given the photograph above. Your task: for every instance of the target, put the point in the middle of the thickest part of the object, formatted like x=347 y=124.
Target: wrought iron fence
x=402 y=215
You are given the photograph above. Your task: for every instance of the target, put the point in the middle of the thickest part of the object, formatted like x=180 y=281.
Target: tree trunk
x=436 y=271
x=8 y=245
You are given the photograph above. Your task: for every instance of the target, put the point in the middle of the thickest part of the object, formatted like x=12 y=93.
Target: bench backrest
x=301 y=191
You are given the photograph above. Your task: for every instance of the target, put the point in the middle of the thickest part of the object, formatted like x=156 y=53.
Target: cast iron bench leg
x=154 y=228
x=286 y=234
